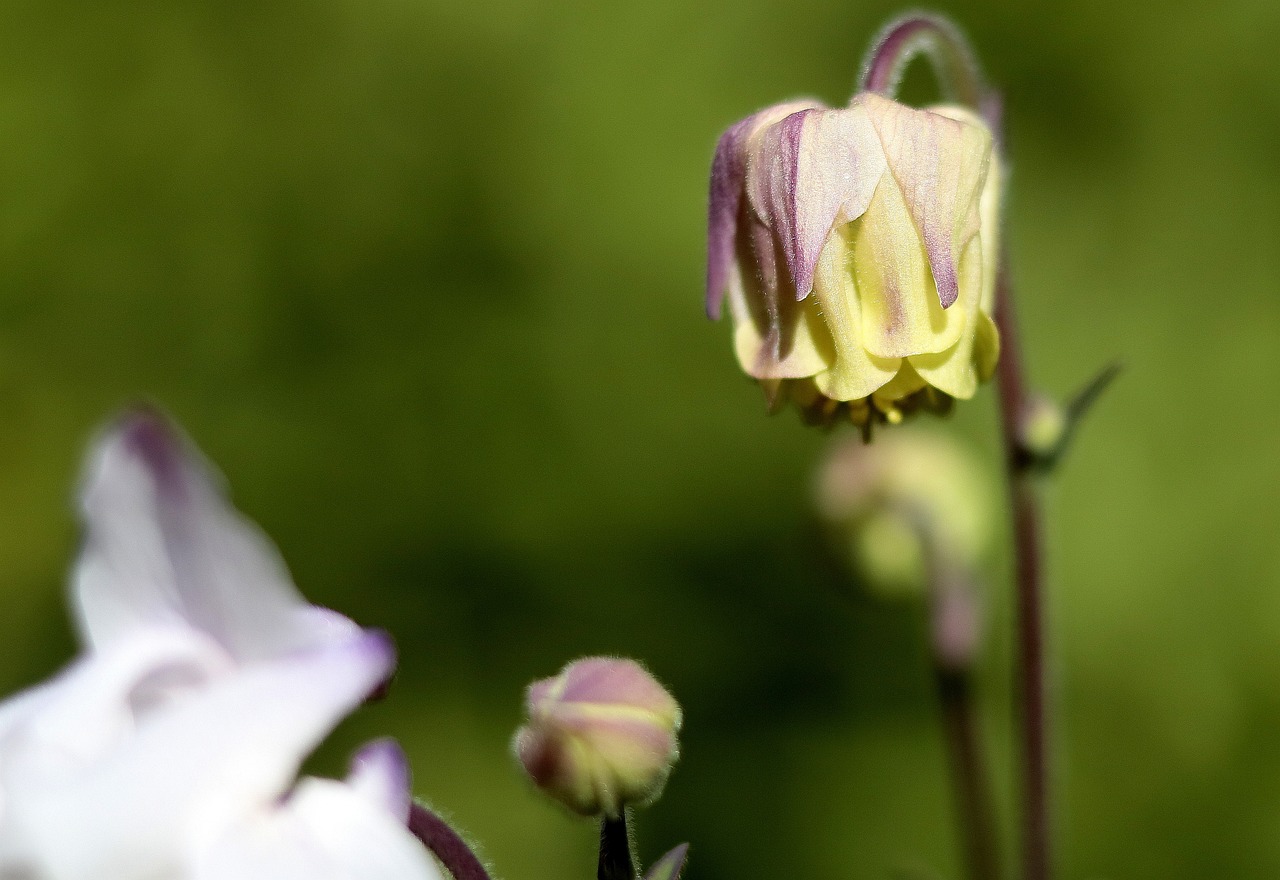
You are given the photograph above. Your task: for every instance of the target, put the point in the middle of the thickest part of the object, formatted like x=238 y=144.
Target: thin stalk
x=955 y=629
x=934 y=37
x=1025 y=508
x=616 y=862
x=445 y=844
x=972 y=790
x=960 y=77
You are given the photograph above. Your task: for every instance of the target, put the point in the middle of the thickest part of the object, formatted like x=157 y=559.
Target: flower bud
x=600 y=736
x=858 y=250
x=1042 y=427
x=880 y=500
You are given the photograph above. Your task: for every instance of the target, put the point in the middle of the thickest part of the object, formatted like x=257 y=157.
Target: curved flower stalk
x=858 y=250
x=170 y=748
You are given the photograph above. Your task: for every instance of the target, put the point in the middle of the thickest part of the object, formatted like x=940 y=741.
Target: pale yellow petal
x=953 y=371
x=854 y=372
x=901 y=313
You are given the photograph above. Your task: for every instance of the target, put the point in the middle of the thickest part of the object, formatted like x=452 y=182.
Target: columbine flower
x=601 y=735
x=857 y=248
x=169 y=750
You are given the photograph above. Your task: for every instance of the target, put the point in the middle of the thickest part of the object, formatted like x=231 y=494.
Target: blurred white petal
x=195 y=767
x=380 y=774
x=163 y=546
x=325 y=831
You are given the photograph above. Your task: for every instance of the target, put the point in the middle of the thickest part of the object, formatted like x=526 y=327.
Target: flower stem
x=955 y=629
x=936 y=38
x=616 y=862
x=1025 y=506
x=974 y=804
x=445 y=844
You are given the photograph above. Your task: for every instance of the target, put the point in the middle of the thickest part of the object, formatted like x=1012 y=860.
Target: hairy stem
x=445 y=844
x=939 y=40
x=1025 y=508
x=616 y=862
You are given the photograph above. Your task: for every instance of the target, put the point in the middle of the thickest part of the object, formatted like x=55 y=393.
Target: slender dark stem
x=616 y=862
x=1025 y=506
x=974 y=803
x=445 y=844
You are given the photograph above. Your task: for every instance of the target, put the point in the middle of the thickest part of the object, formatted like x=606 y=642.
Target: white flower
x=169 y=750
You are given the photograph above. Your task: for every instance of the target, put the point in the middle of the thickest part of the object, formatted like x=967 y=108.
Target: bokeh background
x=425 y=279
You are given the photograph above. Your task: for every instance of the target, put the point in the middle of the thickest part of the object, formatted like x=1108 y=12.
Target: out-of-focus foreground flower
x=858 y=251
x=170 y=748
x=601 y=735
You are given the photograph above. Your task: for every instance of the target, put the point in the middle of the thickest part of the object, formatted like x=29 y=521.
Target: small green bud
x=1043 y=428
x=600 y=736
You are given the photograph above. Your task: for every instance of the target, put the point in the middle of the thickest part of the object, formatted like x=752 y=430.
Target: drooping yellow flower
x=858 y=251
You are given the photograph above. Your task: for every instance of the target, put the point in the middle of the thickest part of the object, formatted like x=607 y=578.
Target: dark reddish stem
x=959 y=76
x=1025 y=508
x=955 y=627
x=445 y=844
x=974 y=804
x=936 y=38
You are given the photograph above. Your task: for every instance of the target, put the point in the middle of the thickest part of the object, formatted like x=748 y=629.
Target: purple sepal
x=728 y=172
x=669 y=866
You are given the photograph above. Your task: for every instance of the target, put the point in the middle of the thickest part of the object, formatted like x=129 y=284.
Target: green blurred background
x=425 y=279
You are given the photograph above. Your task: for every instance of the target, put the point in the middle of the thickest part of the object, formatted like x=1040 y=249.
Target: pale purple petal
x=940 y=165
x=163 y=546
x=610 y=680
x=380 y=774
x=324 y=831
x=728 y=170
x=810 y=172
x=669 y=866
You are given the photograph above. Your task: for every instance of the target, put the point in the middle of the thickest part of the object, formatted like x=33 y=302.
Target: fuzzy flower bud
x=879 y=500
x=601 y=735
x=858 y=250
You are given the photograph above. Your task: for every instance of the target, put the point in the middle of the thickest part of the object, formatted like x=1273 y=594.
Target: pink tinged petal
x=195 y=767
x=324 y=831
x=162 y=545
x=813 y=171
x=940 y=164
x=380 y=774
x=728 y=178
x=608 y=680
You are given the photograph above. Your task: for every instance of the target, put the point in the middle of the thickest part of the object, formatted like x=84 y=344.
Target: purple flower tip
x=146 y=433
x=380 y=648
x=383 y=766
